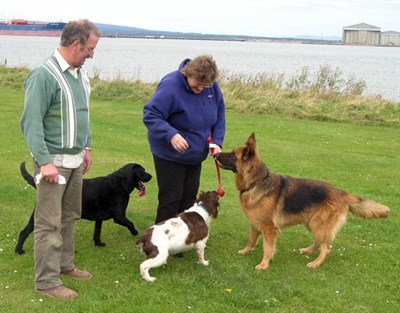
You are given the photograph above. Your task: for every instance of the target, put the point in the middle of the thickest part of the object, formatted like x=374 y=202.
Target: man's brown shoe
x=59 y=292
x=78 y=274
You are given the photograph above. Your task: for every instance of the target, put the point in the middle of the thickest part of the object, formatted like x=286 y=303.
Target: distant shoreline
x=253 y=39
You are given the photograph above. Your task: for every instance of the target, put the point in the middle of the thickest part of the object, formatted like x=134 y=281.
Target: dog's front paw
x=263 y=265
x=204 y=262
x=99 y=244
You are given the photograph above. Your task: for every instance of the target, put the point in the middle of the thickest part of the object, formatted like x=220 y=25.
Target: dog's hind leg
x=97 y=234
x=253 y=237
x=159 y=260
x=269 y=233
x=24 y=234
x=323 y=255
x=324 y=228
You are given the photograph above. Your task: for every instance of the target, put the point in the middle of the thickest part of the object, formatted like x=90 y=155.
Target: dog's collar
x=253 y=184
x=201 y=205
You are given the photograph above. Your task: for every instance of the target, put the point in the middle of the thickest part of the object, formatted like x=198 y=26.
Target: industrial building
x=390 y=38
x=365 y=34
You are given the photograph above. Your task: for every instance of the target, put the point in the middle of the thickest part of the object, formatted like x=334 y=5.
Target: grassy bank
x=320 y=96
x=361 y=275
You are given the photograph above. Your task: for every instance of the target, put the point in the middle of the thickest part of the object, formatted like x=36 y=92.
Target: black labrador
x=103 y=198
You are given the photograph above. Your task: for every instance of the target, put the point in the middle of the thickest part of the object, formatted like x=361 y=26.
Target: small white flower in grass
x=337 y=292
x=40 y=300
x=7 y=287
x=15 y=271
x=32 y=300
x=1 y=250
x=117 y=282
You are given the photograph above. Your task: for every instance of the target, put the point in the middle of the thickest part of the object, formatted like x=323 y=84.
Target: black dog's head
x=133 y=176
x=210 y=200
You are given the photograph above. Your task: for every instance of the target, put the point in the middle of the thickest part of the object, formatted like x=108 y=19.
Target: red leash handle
x=220 y=190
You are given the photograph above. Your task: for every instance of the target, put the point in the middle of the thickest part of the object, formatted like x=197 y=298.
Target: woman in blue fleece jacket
x=186 y=109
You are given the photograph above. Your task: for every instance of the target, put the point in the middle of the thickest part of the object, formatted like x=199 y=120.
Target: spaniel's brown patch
x=197 y=226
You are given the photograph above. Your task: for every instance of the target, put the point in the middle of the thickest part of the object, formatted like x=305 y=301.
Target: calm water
x=150 y=59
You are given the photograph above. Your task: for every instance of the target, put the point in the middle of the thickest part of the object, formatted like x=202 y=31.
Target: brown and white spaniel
x=189 y=230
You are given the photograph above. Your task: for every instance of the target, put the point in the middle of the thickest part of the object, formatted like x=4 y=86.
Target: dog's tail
x=367 y=208
x=145 y=245
x=28 y=177
x=141 y=245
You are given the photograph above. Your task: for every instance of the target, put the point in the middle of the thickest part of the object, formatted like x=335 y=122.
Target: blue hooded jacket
x=175 y=108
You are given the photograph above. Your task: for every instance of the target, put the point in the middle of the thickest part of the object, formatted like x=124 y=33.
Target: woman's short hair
x=202 y=68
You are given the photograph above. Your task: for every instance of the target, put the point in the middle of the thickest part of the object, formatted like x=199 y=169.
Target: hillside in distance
x=109 y=30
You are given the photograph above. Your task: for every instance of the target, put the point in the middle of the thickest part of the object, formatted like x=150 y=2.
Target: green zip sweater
x=55 y=119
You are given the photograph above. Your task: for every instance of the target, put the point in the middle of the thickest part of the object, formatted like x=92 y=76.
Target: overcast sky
x=271 y=18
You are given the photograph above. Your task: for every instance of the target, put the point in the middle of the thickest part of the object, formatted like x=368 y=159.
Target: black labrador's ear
x=142 y=174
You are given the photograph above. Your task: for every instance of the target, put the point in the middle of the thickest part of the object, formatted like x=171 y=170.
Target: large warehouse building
x=365 y=34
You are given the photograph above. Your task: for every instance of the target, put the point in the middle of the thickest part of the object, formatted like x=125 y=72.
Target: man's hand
x=49 y=173
x=87 y=161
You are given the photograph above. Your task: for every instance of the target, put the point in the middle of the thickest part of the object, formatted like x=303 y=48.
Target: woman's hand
x=215 y=149
x=179 y=143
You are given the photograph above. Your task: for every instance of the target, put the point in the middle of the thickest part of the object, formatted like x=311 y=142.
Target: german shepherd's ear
x=250 y=147
x=252 y=138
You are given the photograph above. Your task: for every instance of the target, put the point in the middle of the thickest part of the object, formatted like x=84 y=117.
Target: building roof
x=391 y=32
x=362 y=26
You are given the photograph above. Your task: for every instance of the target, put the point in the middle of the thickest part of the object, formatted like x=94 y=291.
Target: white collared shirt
x=64 y=64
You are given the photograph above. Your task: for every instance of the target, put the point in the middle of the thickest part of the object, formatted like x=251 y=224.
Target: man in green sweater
x=55 y=124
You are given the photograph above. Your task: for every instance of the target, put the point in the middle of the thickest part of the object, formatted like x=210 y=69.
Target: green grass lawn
x=361 y=275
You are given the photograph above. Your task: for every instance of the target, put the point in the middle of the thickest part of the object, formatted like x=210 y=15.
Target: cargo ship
x=20 y=27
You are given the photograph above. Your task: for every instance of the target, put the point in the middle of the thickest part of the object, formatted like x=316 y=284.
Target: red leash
x=220 y=190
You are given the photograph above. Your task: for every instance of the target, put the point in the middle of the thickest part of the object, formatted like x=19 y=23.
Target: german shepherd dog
x=272 y=202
